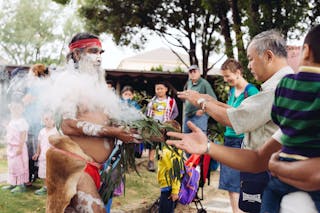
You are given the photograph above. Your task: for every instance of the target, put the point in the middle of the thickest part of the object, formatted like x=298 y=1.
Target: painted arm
x=303 y=174
x=196 y=142
x=85 y=128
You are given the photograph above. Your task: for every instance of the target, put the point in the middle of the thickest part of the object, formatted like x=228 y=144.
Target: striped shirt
x=296 y=110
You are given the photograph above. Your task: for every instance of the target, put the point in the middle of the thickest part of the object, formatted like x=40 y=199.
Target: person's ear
x=77 y=54
x=306 y=52
x=269 y=55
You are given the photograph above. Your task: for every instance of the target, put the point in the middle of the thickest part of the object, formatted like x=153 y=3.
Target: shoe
x=41 y=191
x=19 y=189
x=151 y=166
x=9 y=187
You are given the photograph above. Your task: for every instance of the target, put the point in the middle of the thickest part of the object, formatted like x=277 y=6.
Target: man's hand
x=124 y=135
x=193 y=143
x=191 y=96
x=273 y=162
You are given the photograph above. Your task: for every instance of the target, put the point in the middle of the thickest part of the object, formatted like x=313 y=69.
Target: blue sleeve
x=252 y=90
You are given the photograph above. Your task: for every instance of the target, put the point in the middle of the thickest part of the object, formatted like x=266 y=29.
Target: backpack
x=190 y=181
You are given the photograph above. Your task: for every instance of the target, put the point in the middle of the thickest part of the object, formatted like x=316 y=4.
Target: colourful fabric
x=234 y=101
x=43 y=139
x=296 y=109
x=166 y=109
x=164 y=164
x=93 y=171
x=18 y=166
x=203 y=87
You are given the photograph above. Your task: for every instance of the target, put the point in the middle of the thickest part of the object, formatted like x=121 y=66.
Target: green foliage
x=216 y=132
x=158 y=68
x=221 y=88
x=34 y=32
x=178 y=70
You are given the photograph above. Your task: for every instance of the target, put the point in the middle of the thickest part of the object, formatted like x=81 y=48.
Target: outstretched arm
x=84 y=128
x=303 y=174
x=215 y=109
x=244 y=160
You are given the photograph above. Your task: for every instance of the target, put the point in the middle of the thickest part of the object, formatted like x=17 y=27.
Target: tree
x=185 y=24
x=31 y=31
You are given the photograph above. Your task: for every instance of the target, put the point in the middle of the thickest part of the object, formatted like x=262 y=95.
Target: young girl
x=17 y=152
x=43 y=146
x=162 y=108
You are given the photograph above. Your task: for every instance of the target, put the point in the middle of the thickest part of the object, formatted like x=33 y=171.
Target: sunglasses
x=192 y=71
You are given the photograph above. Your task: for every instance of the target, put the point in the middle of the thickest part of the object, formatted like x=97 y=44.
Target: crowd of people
x=270 y=143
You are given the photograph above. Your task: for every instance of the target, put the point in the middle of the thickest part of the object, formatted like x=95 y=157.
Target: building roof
x=154 y=58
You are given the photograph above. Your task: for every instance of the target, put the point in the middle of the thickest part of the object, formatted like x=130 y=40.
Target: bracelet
x=208 y=147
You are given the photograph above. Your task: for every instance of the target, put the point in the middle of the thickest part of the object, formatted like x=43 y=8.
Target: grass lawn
x=22 y=203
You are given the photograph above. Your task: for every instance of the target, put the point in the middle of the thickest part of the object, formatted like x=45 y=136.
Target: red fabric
x=206 y=166
x=193 y=160
x=83 y=43
x=93 y=171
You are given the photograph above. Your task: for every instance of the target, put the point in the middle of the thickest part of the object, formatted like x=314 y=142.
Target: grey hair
x=270 y=40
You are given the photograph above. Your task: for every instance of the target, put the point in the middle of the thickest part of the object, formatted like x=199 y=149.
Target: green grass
x=22 y=203
x=140 y=190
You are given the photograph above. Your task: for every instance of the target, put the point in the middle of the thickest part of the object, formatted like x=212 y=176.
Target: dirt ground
x=142 y=205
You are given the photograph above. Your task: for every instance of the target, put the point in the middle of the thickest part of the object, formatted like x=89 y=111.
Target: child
x=296 y=110
x=17 y=152
x=127 y=94
x=162 y=108
x=43 y=146
x=169 y=186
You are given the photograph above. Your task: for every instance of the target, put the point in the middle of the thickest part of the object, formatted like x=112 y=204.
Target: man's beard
x=90 y=64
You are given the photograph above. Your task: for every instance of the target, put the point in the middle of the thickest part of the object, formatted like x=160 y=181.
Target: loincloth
x=65 y=163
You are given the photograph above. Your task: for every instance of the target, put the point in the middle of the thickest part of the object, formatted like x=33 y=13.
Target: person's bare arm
x=240 y=159
x=303 y=174
x=84 y=128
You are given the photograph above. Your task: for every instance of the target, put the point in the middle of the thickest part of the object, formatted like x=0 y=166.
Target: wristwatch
x=202 y=103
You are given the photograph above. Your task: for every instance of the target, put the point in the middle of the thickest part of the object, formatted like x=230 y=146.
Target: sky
x=113 y=54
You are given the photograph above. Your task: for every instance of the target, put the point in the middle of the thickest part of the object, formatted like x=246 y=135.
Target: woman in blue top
x=240 y=89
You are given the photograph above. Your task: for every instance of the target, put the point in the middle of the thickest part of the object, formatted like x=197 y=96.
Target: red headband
x=83 y=43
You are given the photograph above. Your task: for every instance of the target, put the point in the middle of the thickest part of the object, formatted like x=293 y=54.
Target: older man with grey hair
x=268 y=63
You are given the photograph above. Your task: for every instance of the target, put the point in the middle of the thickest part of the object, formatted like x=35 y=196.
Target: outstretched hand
x=193 y=143
x=191 y=96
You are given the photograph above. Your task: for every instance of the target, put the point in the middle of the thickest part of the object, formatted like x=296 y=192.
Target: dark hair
x=110 y=82
x=127 y=88
x=40 y=70
x=232 y=65
x=312 y=39
x=162 y=83
x=77 y=37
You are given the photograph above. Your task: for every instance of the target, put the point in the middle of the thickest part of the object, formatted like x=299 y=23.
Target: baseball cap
x=193 y=67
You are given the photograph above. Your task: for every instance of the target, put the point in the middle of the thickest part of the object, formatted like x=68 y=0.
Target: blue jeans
x=166 y=205
x=199 y=121
x=274 y=192
x=230 y=178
